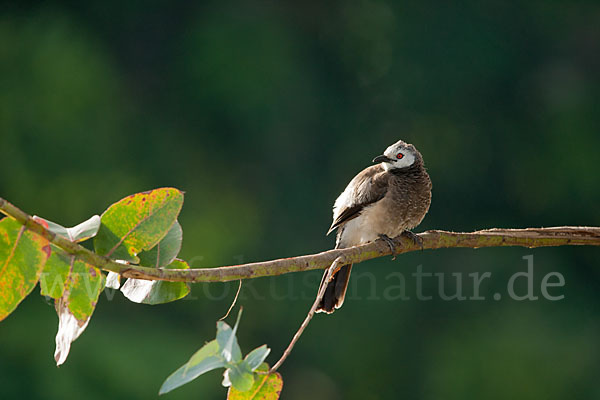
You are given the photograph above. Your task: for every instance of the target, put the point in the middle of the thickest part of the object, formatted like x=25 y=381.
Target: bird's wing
x=368 y=187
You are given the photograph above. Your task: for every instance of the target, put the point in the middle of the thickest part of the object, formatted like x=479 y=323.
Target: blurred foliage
x=262 y=111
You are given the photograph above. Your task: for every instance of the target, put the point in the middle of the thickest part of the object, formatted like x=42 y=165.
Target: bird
x=381 y=202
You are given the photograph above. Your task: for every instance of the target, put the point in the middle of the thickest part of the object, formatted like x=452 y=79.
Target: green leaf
x=256 y=357
x=210 y=349
x=240 y=376
x=265 y=387
x=204 y=360
x=78 y=233
x=137 y=222
x=56 y=271
x=165 y=251
x=156 y=292
x=23 y=255
x=75 y=307
x=230 y=349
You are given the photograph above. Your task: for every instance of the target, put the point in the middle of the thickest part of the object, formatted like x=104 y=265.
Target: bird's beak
x=381 y=158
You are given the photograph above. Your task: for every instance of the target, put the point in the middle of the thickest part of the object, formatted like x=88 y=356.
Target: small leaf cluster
x=224 y=352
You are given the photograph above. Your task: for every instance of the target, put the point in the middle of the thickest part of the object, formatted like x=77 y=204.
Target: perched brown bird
x=382 y=201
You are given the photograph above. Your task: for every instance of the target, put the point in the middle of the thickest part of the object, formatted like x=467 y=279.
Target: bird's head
x=399 y=155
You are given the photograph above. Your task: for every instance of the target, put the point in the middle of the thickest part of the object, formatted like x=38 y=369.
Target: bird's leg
x=390 y=242
x=415 y=238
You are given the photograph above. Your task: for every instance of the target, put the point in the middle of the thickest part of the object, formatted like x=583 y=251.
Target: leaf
x=85 y=284
x=209 y=349
x=78 y=233
x=137 y=222
x=204 y=360
x=23 y=255
x=240 y=376
x=266 y=387
x=230 y=349
x=156 y=292
x=56 y=271
x=165 y=251
x=256 y=357
x=75 y=307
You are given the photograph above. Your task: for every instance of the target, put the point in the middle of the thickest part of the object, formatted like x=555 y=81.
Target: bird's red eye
x=399 y=156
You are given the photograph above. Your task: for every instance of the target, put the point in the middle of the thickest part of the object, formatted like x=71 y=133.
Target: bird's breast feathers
x=381 y=217
x=378 y=202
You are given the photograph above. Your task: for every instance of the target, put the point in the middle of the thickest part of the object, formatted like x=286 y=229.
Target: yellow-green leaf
x=137 y=222
x=55 y=274
x=85 y=284
x=265 y=387
x=22 y=258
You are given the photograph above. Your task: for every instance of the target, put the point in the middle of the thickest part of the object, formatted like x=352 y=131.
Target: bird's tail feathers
x=336 y=290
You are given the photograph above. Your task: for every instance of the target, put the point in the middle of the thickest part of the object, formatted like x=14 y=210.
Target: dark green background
x=262 y=112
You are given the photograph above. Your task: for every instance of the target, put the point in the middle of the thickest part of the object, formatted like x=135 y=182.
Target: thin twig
x=330 y=272
x=233 y=302
x=529 y=237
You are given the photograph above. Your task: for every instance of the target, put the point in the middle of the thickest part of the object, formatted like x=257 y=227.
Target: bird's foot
x=417 y=240
x=390 y=242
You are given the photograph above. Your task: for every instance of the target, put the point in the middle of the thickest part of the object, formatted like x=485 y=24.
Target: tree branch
x=435 y=239
x=321 y=292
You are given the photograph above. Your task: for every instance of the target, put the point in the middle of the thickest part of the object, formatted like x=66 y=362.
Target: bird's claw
x=417 y=240
x=390 y=242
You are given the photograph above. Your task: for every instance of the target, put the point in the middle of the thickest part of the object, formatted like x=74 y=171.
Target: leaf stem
x=233 y=302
